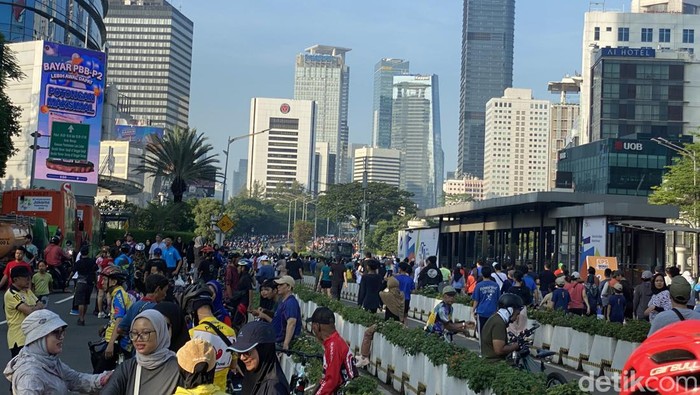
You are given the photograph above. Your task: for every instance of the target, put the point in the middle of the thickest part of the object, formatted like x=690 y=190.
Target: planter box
x=579 y=349
x=543 y=337
x=398 y=363
x=602 y=351
x=434 y=376
x=417 y=368
x=561 y=339
x=623 y=349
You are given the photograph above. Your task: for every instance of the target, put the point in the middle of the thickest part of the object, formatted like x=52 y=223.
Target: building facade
x=118 y=161
x=415 y=131
x=322 y=75
x=460 y=188
x=488 y=31
x=564 y=118
x=238 y=183
x=284 y=153
x=79 y=23
x=517 y=144
x=150 y=59
x=381 y=165
x=384 y=72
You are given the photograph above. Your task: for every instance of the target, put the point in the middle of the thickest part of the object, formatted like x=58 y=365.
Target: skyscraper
x=415 y=131
x=487 y=70
x=384 y=72
x=322 y=75
x=150 y=59
x=381 y=165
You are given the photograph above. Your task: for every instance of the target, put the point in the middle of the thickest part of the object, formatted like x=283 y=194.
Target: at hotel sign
x=629 y=52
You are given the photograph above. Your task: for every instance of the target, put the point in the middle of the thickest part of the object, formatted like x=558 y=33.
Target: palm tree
x=181 y=155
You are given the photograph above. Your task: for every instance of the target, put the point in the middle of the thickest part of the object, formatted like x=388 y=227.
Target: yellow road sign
x=225 y=223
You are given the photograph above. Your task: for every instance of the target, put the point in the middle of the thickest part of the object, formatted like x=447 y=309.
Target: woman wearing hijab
x=660 y=297
x=458 y=278
x=179 y=335
x=218 y=309
x=154 y=370
x=394 y=301
x=262 y=373
x=37 y=368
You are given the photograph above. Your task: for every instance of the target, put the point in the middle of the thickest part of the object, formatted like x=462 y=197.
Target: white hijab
x=162 y=354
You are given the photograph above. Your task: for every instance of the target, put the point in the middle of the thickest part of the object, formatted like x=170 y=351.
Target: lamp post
x=226 y=152
x=691 y=154
x=34 y=147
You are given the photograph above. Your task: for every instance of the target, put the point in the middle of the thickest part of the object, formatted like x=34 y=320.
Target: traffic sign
x=225 y=223
x=69 y=141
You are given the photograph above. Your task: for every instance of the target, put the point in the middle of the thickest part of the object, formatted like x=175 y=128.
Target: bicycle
x=523 y=359
x=299 y=383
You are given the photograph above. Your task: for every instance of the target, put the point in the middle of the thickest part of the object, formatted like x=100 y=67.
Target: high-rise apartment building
x=415 y=131
x=322 y=75
x=565 y=121
x=517 y=144
x=381 y=165
x=460 y=188
x=150 y=59
x=488 y=28
x=239 y=177
x=384 y=72
x=285 y=153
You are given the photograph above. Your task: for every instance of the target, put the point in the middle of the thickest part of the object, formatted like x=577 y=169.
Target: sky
x=245 y=49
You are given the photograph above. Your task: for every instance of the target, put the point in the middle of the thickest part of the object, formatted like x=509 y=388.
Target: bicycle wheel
x=554 y=379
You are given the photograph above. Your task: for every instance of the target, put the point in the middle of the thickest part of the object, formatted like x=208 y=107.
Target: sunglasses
x=59 y=333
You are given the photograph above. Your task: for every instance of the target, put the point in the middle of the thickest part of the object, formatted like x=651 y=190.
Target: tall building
x=64 y=22
x=565 y=120
x=381 y=165
x=150 y=59
x=284 y=153
x=517 y=144
x=384 y=72
x=488 y=28
x=322 y=75
x=239 y=177
x=415 y=131
x=467 y=185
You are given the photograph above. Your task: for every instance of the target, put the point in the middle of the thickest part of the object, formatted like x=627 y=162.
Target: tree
x=384 y=201
x=457 y=198
x=254 y=216
x=9 y=113
x=164 y=217
x=302 y=234
x=202 y=210
x=183 y=156
x=678 y=187
x=384 y=238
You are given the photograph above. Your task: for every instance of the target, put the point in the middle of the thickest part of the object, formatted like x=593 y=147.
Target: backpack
x=592 y=290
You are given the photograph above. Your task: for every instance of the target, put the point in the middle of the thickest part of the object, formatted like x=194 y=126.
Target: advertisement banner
x=593 y=237
x=600 y=263
x=418 y=244
x=136 y=134
x=35 y=203
x=70 y=114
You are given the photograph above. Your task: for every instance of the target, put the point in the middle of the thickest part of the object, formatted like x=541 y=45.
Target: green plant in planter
x=310 y=345
x=363 y=385
x=570 y=388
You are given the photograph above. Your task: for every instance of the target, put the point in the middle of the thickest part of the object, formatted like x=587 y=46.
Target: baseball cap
x=560 y=280
x=285 y=280
x=252 y=334
x=157 y=251
x=576 y=275
x=263 y=258
x=449 y=290
x=20 y=271
x=646 y=275
x=618 y=287
x=322 y=315
x=494 y=264
x=679 y=289
x=195 y=352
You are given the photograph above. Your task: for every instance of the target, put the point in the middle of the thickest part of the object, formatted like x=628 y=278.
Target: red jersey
x=54 y=255
x=338 y=365
x=10 y=266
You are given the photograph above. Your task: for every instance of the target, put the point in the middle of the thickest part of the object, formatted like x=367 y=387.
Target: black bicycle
x=522 y=358
x=299 y=383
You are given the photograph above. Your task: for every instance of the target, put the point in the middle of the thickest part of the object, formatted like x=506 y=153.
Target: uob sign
x=628 y=146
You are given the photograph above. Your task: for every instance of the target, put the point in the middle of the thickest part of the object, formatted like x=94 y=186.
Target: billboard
x=136 y=134
x=70 y=114
x=593 y=237
x=418 y=244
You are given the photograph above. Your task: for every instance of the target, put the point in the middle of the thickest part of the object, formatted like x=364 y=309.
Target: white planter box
x=579 y=349
x=561 y=339
x=434 y=376
x=543 y=337
x=602 y=351
x=398 y=362
x=416 y=374
x=623 y=349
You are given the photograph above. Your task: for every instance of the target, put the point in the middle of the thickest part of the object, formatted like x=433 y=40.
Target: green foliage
x=458 y=198
x=164 y=217
x=384 y=238
x=632 y=331
x=363 y=385
x=9 y=113
x=309 y=345
x=570 y=388
x=182 y=155
x=255 y=216
x=203 y=209
x=341 y=201
x=302 y=233
x=432 y=293
x=679 y=188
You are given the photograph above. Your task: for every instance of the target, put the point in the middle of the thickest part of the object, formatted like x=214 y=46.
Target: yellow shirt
x=14 y=298
x=224 y=358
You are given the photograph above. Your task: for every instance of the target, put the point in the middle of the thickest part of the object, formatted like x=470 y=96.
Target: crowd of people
x=175 y=318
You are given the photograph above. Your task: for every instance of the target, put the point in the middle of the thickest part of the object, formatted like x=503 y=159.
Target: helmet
x=125 y=248
x=55 y=240
x=195 y=293
x=510 y=300
x=115 y=272
x=140 y=247
x=665 y=363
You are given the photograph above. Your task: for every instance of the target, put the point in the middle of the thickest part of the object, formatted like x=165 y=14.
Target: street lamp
x=691 y=154
x=34 y=147
x=226 y=151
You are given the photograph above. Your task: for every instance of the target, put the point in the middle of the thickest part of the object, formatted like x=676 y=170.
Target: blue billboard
x=70 y=114
x=136 y=134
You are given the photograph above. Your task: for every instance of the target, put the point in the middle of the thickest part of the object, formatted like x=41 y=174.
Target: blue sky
x=245 y=49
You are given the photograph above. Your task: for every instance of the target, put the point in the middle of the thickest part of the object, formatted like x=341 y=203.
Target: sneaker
x=81 y=322
x=74 y=312
x=101 y=314
x=362 y=361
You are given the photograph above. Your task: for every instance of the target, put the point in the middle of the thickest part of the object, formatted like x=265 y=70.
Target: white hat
x=575 y=275
x=494 y=264
x=40 y=323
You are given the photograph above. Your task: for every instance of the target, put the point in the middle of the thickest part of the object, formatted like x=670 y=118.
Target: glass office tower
x=384 y=72
x=487 y=70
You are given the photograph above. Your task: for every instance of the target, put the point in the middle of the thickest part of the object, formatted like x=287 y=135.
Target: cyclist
x=338 y=362
x=494 y=335
x=114 y=279
x=440 y=320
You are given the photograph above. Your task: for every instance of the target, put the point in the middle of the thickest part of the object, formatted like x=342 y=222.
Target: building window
x=647 y=34
x=596 y=34
x=664 y=35
x=623 y=34
x=689 y=36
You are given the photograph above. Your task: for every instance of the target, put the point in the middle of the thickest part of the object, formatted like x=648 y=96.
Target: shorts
x=325 y=284
x=82 y=294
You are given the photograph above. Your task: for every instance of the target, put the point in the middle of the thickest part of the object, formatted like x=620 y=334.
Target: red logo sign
x=284 y=108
